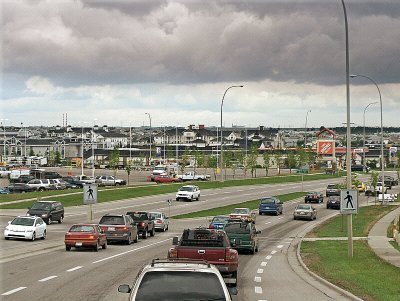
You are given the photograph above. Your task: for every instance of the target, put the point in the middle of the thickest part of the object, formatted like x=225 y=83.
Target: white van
x=4 y=172
x=16 y=173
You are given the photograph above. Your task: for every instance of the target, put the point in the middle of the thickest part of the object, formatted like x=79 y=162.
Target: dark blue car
x=270 y=205
x=218 y=222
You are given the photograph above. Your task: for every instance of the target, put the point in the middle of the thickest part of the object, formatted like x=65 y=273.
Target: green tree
x=302 y=157
x=267 y=161
x=292 y=161
x=114 y=159
x=278 y=161
x=252 y=160
x=57 y=158
x=374 y=181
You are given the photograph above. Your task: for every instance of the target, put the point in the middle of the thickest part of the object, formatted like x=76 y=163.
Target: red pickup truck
x=210 y=245
x=163 y=179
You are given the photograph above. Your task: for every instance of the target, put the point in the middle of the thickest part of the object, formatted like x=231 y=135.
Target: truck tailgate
x=212 y=255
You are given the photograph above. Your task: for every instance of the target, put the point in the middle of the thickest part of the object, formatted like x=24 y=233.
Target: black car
x=332 y=189
x=20 y=188
x=362 y=168
x=313 y=197
x=73 y=180
x=49 y=211
x=333 y=202
x=23 y=179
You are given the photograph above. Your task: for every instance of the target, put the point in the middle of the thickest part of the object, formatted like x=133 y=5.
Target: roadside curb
x=332 y=286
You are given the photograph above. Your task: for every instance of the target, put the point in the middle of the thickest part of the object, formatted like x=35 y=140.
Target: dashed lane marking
x=258 y=289
x=47 y=278
x=257 y=279
x=273 y=252
x=267 y=223
x=264 y=263
x=14 y=291
x=260 y=271
x=280 y=246
x=75 y=268
x=268 y=257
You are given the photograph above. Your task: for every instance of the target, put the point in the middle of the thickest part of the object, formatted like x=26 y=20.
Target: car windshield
x=112 y=220
x=41 y=206
x=159 y=168
x=138 y=216
x=217 y=219
x=82 y=228
x=155 y=215
x=243 y=228
x=179 y=285
x=312 y=193
x=332 y=186
x=186 y=188
x=306 y=207
x=241 y=211
x=267 y=201
x=23 y=221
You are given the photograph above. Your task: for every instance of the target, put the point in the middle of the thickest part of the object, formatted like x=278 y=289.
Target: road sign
x=349 y=201
x=89 y=194
x=169 y=202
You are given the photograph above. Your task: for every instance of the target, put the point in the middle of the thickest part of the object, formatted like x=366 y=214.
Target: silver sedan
x=305 y=211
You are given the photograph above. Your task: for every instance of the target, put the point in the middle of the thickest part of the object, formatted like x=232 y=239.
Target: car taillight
x=211 y=226
x=91 y=237
x=103 y=228
x=231 y=255
x=121 y=228
x=141 y=224
x=173 y=253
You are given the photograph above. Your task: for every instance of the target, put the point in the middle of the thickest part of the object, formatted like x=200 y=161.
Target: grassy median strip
x=365 y=275
x=362 y=223
x=106 y=195
x=229 y=208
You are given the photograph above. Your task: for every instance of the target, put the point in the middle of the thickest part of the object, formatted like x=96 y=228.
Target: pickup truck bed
x=210 y=245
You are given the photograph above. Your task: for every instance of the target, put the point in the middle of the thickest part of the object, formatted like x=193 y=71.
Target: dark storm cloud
x=126 y=42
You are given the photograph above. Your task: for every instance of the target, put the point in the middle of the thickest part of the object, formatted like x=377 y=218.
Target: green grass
x=106 y=195
x=253 y=204
x=365 y=275
x=362 y=222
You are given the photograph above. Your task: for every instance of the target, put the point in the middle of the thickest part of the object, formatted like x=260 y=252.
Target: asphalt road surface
x=43 y=270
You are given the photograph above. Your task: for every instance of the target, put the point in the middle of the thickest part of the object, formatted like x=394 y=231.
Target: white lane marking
x=264 y=263
x=130 y=251
x=260 y=271
x=273 y=252
x=258 y=289
x=13 y=291
x=280 y=246
x=257 y=279
x=75 y=268
x=267 y=223
x=47 y=278
x=268 y=257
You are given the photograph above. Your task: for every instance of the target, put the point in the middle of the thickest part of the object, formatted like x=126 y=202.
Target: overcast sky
x=110 y=62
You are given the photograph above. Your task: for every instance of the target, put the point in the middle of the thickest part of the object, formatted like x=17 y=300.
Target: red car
x=85 y=236
x=166 y=179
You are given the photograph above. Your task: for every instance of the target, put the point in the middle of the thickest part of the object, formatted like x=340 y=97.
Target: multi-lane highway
x=43 y=270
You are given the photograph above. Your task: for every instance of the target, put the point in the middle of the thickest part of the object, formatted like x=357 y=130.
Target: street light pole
x=380 y=101
x=164 y=141
x=222 y=142
x=305 y=130
x=82 y=122
x=363 y=162
x=4 y=139
x=348 y=141
x=150 y=137
x=92 y=138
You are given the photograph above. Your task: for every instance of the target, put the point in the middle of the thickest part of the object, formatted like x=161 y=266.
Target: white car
x=188 y=193
x=26 y=227
x=161 y=221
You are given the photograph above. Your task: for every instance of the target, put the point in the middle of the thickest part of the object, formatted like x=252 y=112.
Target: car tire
x=144 y=234
x=153 y=232
x=6 y=238
x=67 y=248
x=198 y=198
x=61 y=219
x=104 y=246
x=129 y=240
x=234 y=276
x=167 y=228
x=49 y=220
x=33 y=236
x=96 y=247
x=277 y=212
x=44 y=235
x=136 y=238
x=41 y=189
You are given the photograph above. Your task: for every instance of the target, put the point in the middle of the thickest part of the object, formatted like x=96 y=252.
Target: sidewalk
x=379 y=242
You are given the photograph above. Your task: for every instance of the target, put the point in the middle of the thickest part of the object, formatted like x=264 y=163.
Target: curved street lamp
x=222 y=103
x=380 y=101
x=363 y=162
x=305 y=132
x=150 y=138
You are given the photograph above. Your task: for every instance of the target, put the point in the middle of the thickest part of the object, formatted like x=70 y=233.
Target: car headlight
x=44 y=215
x=28 y=214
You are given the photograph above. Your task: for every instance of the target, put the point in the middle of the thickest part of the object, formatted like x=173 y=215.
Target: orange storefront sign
x=325 y=148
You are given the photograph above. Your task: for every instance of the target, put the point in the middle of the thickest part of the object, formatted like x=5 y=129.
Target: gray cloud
x=198 y=42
